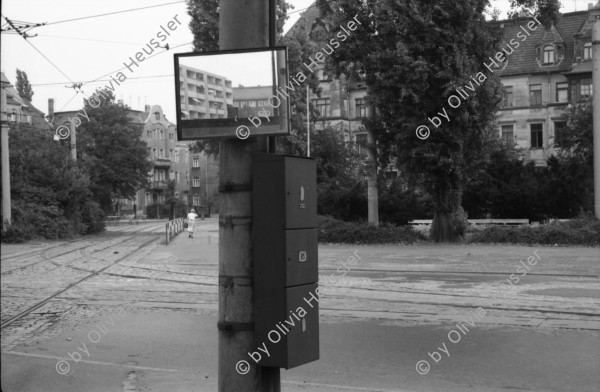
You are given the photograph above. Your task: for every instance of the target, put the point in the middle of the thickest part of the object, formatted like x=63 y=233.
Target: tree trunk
x=441 y=231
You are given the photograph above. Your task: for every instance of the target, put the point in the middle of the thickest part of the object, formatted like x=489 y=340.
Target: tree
x=112 y=152
x=50 y=192
x=414 y=56
x=23 y=86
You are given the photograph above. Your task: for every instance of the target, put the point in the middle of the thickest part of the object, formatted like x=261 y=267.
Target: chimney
x=590 y=6
x=147 y=108
x=50 y=107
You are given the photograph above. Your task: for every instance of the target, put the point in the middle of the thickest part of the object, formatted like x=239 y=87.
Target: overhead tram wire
x=113 y=13
x=102 y=80
x=33 y=46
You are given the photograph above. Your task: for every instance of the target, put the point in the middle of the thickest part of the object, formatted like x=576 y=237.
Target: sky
x=93 y=50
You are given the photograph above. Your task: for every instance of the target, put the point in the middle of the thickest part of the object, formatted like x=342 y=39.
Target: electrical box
x=284 y=235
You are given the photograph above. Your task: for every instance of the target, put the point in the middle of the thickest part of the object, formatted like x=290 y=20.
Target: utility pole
x=242 y=24
x=372 y=192
x=307 y=121
x=6 y=205
x=595 y=15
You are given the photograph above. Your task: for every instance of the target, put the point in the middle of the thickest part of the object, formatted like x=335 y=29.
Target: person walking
x=191 y=218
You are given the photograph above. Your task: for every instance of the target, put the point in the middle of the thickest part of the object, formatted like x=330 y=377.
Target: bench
x=504 y=222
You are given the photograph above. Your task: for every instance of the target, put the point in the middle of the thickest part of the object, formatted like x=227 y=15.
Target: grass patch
x=340 y=232
x=580 y=231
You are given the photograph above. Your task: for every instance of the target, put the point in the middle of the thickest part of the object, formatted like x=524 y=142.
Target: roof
x=11 y=93
x=308 y=17
x=523 y=59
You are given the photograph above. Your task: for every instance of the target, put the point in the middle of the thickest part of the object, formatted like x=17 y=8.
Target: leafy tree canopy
x=23 y=86
x=113 y=152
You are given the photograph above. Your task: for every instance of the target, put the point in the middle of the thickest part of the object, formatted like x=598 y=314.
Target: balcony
x=161 y=162
x=158 y=185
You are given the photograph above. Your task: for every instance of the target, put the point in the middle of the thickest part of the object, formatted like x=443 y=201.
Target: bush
x=30 y=220
x=336 y=231
x=580 y=231
x=93 y=218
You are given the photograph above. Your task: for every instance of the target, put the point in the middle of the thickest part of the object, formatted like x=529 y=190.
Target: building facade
x=20 y=113
x=550 y=70
x=547 y=72
x=203 y=94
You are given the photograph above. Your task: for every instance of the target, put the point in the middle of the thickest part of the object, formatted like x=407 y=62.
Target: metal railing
x=173 y=228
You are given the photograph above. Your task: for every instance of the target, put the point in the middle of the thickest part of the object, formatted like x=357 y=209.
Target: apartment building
x=252 y=100
x=203 y=94
x=549 y=71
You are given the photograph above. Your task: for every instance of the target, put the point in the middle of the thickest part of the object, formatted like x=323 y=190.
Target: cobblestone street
x=124 y=307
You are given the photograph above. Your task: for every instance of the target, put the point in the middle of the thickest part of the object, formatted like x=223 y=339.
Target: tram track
x=88 y=245
x=39 y=304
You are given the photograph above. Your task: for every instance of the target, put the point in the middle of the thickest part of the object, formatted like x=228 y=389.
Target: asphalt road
x=121 y=312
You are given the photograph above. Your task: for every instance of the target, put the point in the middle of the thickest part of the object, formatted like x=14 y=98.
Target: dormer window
x=587 y=51
x=548 y=55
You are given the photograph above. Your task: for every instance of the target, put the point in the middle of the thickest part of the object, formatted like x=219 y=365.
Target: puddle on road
x=567 y=292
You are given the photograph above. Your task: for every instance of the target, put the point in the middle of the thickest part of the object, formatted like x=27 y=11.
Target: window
x=252 y=104
x=196 y=201
x=171 y=175
x=161 y=153
x=170 y=135
x=154 y=153
x=587 y=51
x=161 y=175
x=548 y=54
x=361 y=108
x=187 y=177
x=196 y=162
x=176 y=176
x=196 y=182
x=507 y=97
x=537 y=135
x=322 y=105
x=187 y=156
x=586 y=89
x=176 y=156
x=361 y=143
x=236 y=104
x=149 y=134
x=161 y=133
x=148 y=198
x=185 y=198
x=508 y=133
x=171 y=153
x=559 y=133
x=562 y=92
x=535 y=95
x=157 y=115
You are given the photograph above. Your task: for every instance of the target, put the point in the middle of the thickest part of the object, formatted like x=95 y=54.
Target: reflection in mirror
x=221 y=92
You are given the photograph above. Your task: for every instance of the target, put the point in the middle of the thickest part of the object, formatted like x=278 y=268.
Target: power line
x=112 y=13
x=120 y=69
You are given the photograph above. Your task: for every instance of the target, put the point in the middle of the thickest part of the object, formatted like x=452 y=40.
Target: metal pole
x=307 y=121
x=242 y=24
x=6 y=204
x=74 y=142
x=595 y=15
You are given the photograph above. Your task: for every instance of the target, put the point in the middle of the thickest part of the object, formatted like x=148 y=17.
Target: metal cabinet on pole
x=284 y=233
